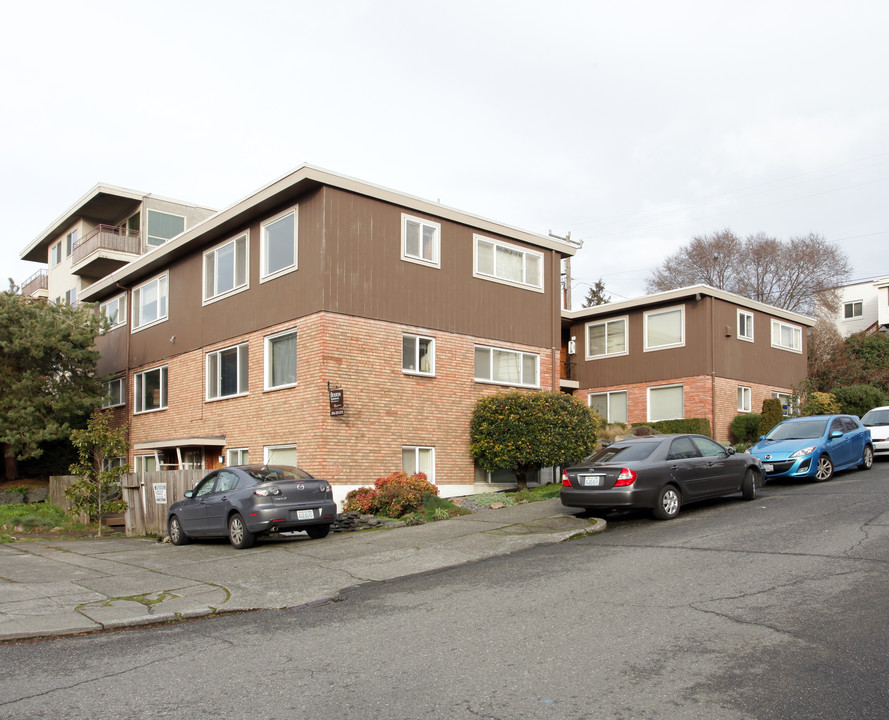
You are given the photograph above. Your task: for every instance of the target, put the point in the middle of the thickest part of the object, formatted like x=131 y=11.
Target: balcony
x=568 y=375
x=103 y=250
x=37 y=285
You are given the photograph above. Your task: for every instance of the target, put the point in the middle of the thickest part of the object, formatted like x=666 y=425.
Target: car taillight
x=626 y=477
x=565 y=481
x=267 y=490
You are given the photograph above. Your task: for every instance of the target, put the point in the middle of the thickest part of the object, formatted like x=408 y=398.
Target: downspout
x=712 y=367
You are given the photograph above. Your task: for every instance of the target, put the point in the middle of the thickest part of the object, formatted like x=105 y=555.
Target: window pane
x=409 y=460
x=212 y=375
x=617 y=407
x=665 y=328
x=409 y=353
x=529 y=369
x=228 y=372
x=162 y=227
x=240 y=261
x=242 y=368
x=617 y=341
x=152 y=390
x=282 y=455
x=428 y=243
x=283 y=360
x=533 y=270
x=225 y=269
x=426 y=346
x=510 y=265
x=425 y=457
x=412 y=238
x=665 y=403
x=599 y=404
x=279 y=244
x=209 y=275
x=483 y=363
x=506 y=367
x=485 y=257
x=596 y=340
x=149 y=303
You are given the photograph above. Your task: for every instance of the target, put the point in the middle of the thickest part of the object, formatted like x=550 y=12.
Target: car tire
x=824 y=470
x=316 y=532
x=748 y=485
x=177 y=534
x=668 y=502
x=238 y=534
x=867 y=458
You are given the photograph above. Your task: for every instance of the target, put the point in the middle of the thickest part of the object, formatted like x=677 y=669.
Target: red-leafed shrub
x=394 y=495
x=360 y=500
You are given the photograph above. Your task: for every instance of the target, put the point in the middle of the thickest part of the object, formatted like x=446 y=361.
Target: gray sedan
x=248 y=501
x=661 y=474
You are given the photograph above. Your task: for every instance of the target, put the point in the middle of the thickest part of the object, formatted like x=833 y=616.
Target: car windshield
x=800 y=430
x=873 y=418
x=274 y=473
x=623 y=453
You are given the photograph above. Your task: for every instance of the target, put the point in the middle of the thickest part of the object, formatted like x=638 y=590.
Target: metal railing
x=38 y=281
x=107 y=237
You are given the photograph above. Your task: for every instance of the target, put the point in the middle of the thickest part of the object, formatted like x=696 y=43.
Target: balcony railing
x=106 y=237
x=38 y=281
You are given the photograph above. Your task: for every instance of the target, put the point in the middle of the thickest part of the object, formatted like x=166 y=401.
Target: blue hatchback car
x=815 y=447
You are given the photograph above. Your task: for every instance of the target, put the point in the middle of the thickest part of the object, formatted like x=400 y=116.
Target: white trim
x=418 y=337
x=267 y=355
x=430 y=476
x=245 y=369
x=745 y=394
x=164 y=390
x=215 y=252
x=586 y=337
x=134 y=306
x=663 y=311
x=745 y=313
x=228 y=456
x=494 y=277
x=607 y=394
x=263 y=252
x=798 y=333
x=853 y=303
x=490 y=380
x=663 y=387
x=283 y=446
x=436 y=245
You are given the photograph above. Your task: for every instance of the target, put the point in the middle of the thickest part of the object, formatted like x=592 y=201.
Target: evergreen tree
x=596 y=295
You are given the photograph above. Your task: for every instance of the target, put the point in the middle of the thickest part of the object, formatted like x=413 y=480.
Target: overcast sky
x=632 y=125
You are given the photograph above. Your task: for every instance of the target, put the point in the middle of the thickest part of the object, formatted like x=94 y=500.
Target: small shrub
x=772 y=414
x=360 y=500
x=393 y=496
x=642 y=431
x=745 y=427
x=820 y=403
x=440 y=514
x=415 y=518
x=858 y=399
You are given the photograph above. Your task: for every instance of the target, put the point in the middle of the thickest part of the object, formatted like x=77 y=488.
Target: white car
x=877 y=421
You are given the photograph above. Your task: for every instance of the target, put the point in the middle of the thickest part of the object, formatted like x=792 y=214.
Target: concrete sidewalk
x=59 y=587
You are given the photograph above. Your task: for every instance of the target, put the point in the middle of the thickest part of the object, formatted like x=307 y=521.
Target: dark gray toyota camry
x=660 y=473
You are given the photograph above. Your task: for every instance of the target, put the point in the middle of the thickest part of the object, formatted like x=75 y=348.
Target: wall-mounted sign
x=337 y=403
x=160 y=493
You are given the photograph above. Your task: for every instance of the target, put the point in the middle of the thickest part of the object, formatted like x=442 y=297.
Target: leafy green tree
x=527 y=430
x=47 y=373
x=98 y=447
x=858 y=399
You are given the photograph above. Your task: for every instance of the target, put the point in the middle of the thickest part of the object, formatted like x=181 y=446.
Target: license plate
x=591 y=480
x=305 y=514
x=768 y=467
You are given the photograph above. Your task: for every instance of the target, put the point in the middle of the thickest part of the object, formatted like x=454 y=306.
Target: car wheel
x=667 y=506
x=177 y=534
x=316 y=532
x=867 y=458
x=824 y=471
x=238 y=533
x=748 y=485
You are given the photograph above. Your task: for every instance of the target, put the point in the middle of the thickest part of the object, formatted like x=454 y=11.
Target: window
x=70 y=242
x=745 y=325
x=115 y=393
x=145 y=463
x=163 y=226
x=279 y=250
x=418 y=355
x=496 y=260
x=150 y=389
x=506 y=367
x=71 y=296
x=280 y=455
x=227 y=372
x=238 y=456
x=787 y=337
x=420 y=240
x=666 y=403
x=744 y=399
x=606 y=338
x=787 y=402
x=682 y=449
x=280 y=360
x=665 y=328
x=55 y=254
x=610 y=405
x=150 y=302
x=225 y=268
x=852 y=310
x=115 y=310
x=419 y=459
x=708 y=448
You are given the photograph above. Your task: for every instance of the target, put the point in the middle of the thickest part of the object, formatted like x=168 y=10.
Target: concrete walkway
x=59 y=587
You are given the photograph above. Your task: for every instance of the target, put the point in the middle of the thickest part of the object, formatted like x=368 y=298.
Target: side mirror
x=729 y=450
x=762 y=437
x=189 y=493
x=834 y=434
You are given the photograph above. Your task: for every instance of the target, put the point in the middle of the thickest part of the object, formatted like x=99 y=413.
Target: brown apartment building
x=692 y=352
x=231 y=339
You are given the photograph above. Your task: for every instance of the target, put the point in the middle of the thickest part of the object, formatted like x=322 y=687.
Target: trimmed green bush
x=745 y=427
x=700 y=426
x=858 y=399
x=772 y=414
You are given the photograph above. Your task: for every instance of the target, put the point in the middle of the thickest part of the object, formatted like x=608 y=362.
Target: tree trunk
x=10 y=463
x=521 y=476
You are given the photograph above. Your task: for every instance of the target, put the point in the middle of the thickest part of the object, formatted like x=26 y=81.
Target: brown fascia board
x=288 y=187
x=684 y=294
x=36 y=250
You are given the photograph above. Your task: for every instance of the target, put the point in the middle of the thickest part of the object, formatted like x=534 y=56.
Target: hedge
x=699 y=426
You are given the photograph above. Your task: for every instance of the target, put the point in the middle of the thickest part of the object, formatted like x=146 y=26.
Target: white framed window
x=745 y=325
x=146 y=463
x=150 y=302
x=787 y=337
x=605 y=338
x=666 y=402
x=150 y=390
x=415 y=458
x=610 y=405
x=115 y=393
x=417 y=355
x=420 y=241
x=278 y=252
x=664 y=328
x=70 y=242
x=506 y=367
x=237 y=456
x=226 y=268
x=227 y=372
x=853 y=309
x=115 y=310
x=788 y=402
x=506 y=263
x=279 y=455
x=280 y=360
x=745 y=399
x=55 y=254
x=163 y=226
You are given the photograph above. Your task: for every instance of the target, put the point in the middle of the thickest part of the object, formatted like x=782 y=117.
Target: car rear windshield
x=802 y=430
x=623 y=453
x=276 y=472
x=873 y=418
